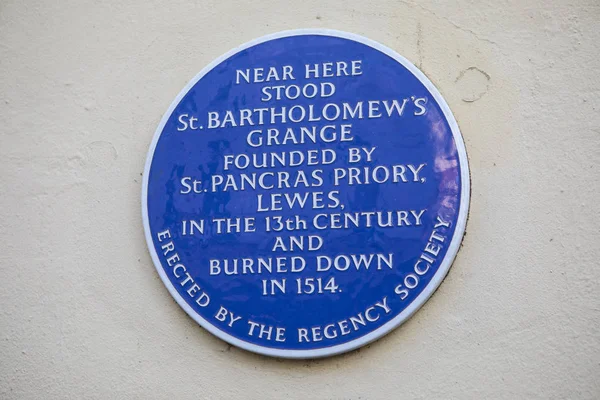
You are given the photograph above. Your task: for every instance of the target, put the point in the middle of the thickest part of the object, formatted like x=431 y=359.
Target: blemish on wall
x=100 y=154
x=473 y=84
x=419 y=45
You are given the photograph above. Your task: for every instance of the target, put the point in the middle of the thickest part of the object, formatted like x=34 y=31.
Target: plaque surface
x=305 y=193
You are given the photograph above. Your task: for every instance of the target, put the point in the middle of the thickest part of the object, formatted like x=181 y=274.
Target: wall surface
x=83 y=313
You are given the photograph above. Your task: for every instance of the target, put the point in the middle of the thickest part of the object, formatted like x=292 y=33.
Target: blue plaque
x=305 y=193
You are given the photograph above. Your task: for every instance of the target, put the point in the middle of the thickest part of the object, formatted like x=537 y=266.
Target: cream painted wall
x=83 y=314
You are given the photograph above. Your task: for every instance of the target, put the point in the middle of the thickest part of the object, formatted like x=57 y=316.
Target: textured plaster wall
x=83 y=314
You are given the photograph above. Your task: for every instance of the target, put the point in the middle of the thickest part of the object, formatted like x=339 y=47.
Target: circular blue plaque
x=305 y=193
